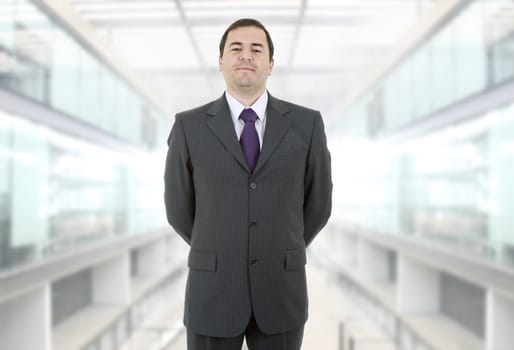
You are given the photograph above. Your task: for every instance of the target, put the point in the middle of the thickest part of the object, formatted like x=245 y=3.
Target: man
x=247 y=186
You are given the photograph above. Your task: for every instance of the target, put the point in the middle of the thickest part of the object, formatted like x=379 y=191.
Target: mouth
x=245 y=68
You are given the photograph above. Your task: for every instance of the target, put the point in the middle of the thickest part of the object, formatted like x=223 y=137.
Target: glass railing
x=468 y=55
x=453 y=187
x=58 y=193
x=40 y=60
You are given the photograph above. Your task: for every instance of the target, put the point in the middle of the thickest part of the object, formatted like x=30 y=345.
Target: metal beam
x=191 y=37
x=222 y=21
x=298 y=28
x=69 y=125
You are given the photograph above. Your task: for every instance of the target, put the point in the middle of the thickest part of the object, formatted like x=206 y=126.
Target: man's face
x=245 y=63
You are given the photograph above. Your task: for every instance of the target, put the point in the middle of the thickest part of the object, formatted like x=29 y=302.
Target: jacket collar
x=277 y=125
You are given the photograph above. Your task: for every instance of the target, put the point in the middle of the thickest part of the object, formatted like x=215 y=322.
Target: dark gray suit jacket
x=247 y=231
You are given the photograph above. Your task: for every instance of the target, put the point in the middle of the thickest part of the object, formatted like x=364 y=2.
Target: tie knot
x=248 y=115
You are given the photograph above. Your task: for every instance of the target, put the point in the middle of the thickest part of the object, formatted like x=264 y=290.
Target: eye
x=235 y=49
x=257 y=50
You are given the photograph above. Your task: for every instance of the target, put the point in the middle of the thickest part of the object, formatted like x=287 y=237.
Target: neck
x=246 y=98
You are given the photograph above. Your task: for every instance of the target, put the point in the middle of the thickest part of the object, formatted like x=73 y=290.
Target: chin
x=245 y=83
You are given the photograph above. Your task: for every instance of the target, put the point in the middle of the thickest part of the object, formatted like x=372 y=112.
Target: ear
x=220 y=61
x=271 y=64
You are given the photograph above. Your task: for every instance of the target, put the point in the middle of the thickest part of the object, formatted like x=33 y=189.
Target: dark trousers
x=255 y=339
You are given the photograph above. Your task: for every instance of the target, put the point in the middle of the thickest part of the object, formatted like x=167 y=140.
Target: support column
x=372 y=261
x=499 y=321
x=151 y=258
x=417 y=287
x=111 y=281
x=25 y=321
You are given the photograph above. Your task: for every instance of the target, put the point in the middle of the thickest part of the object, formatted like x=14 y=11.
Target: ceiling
x=322 y=47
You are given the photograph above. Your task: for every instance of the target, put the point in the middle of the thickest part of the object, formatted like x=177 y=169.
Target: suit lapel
x=277 y=126
x=222 y=126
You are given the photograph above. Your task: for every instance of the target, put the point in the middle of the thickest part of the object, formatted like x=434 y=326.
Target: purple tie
x=249 y=139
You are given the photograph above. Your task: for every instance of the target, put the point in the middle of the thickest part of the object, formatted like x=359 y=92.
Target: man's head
x=246 y=57
x=247 y=22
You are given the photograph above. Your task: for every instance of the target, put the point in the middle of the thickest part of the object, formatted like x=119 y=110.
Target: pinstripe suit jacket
x=247 y=231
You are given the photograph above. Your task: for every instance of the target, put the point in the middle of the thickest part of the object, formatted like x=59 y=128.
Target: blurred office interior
x=417 y=98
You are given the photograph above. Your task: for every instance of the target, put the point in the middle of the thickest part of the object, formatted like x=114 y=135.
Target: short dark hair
x=247 y=22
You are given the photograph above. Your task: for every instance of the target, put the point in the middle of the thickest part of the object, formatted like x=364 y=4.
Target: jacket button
x=253 y=262
x=253 y=185
x=253 y=223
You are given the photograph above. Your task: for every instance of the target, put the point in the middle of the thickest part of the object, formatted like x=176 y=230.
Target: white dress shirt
x=259 y=107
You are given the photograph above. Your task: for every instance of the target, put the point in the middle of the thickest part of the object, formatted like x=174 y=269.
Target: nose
x=246 y=55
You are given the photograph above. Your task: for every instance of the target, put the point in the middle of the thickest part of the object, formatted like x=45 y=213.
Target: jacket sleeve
x=179 y=194
x=317 y=204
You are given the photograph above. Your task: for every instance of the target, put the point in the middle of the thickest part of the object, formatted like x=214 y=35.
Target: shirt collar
x=259 y=107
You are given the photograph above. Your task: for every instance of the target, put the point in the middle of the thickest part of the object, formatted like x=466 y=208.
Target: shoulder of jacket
x=197 y=112
x=296 y=108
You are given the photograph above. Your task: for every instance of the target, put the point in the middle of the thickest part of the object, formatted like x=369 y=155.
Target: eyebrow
x=240 y=43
